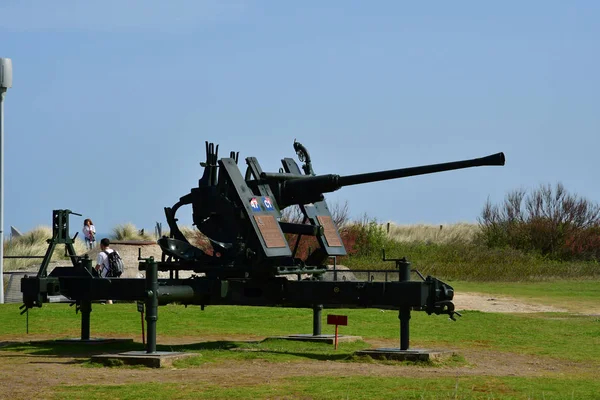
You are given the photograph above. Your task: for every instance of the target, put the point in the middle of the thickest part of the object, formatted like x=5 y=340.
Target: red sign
x=337 y=319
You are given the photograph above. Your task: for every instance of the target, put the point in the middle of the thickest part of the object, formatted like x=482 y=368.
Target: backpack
x=115 y=265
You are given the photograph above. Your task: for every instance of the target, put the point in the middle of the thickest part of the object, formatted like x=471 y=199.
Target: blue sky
x=112 y=101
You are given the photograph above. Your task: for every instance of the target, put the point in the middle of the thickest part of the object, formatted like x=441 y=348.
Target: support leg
x=86 y=309
x=317 y=319
x=151 y=305
x=404 y=316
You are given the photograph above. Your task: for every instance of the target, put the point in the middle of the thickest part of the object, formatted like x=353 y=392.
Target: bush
x=548 y=221
x=365 y=238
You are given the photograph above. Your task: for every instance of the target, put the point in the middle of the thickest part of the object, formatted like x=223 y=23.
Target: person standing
x=89 y=233
x=102 y=262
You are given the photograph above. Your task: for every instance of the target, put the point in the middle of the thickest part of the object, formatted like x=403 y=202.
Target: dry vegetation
x=33 y=243
x=439 y=234
x=129 y=231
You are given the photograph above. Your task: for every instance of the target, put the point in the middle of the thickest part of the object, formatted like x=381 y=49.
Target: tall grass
x=129 y=231
x=34 y=243
x=430 y=234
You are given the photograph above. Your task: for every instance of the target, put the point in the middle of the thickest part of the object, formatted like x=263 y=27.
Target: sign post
x=337 y=320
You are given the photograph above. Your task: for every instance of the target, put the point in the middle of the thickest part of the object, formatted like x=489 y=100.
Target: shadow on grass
x=203 y=346
x=307 y=355
x=229 y=349
x=307 y=350
x=51 y=348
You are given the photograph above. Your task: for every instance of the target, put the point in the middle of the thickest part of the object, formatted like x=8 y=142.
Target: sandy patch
x=500 y=304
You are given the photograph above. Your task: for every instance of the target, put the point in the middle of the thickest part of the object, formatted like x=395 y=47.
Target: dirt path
x=21 y=374
x=501 y=304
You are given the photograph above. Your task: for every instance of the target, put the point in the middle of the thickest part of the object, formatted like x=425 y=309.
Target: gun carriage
x=249 y=255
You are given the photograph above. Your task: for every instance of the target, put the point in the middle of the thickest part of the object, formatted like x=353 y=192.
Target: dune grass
x=129 y=231
x=433 y=234
x=34 y=243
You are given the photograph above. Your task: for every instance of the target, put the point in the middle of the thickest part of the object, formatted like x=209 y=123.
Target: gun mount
x=241 y=217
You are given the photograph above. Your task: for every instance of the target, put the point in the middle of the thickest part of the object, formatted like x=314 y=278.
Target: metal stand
x=86 y=309
x=404 y=313
x=151 y=357
x=151 y=304
x=403 y=353
x=403 y=267
x=86 y=305
x=317 y=319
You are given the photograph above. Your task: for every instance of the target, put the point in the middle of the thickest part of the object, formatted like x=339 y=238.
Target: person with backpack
x=109 y=263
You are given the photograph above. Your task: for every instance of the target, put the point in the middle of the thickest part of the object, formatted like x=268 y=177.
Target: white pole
x=2 y=94
x=5 y=83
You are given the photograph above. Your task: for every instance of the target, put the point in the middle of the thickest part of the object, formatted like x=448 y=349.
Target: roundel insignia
x=254 y=204
x=268 y=204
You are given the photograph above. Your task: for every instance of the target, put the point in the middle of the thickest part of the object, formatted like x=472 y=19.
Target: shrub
x=548 y=221
x=364 y=238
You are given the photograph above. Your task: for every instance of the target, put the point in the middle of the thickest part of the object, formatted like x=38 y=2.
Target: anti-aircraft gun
x=249 y=253
x=241 y=216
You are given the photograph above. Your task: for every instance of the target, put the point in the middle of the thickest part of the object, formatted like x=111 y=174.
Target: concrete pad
x=90 y=341
x=152 y=360
x=329 y=339
x=394 y=353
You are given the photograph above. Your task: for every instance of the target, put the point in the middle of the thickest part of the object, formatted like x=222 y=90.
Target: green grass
x=350 y=387
x=562 y=337
x=559 y=335
x=573 y=295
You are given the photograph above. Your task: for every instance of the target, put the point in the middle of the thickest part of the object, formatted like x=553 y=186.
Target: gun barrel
x=494 y=159
x=307 y=189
